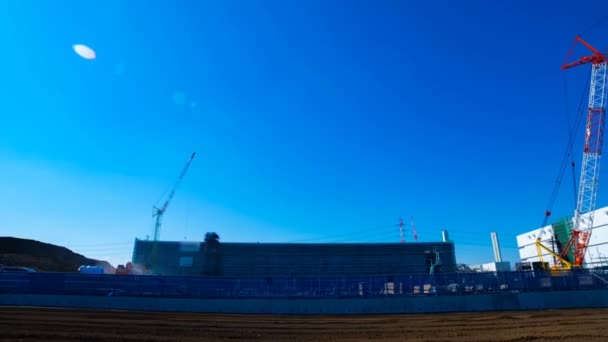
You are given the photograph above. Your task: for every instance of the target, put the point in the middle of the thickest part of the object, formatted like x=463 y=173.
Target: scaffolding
x=562 y=231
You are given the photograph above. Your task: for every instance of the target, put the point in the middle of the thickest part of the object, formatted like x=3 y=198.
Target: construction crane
x=159 y=212
x=592 y=151
x=590 y=168
x=564 y=265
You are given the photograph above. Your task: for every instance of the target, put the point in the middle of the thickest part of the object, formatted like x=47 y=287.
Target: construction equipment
x=124 y=269
x=159 y=212
x=87 y=269
x=561 y=263
x=592 y=152
x=436 y=263
x=590 y=169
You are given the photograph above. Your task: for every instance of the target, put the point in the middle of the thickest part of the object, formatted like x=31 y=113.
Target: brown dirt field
x=35 y=324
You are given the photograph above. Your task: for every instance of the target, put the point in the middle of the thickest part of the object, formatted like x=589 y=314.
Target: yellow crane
x=562 y=263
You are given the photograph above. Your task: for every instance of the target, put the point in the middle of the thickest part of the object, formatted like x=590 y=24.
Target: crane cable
x=572 y=129
x=572 y=133
x=594 y=25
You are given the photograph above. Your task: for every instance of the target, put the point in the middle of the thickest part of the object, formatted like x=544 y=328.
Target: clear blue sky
x=313 y=120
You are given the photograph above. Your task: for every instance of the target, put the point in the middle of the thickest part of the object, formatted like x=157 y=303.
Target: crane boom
x=159 y=212
x=592 y=152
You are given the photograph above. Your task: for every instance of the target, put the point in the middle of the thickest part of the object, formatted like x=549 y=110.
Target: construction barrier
x=457 y=284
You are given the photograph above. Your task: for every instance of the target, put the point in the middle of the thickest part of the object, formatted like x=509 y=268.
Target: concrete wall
x=263 y=260
x=498 y=302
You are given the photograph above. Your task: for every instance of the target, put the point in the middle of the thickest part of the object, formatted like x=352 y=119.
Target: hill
x=42 y=256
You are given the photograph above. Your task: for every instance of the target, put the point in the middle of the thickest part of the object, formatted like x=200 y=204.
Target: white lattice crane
x=159 y=212
x=592 y=152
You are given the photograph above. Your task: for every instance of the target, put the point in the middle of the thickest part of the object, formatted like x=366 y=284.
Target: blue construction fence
x=457 y=284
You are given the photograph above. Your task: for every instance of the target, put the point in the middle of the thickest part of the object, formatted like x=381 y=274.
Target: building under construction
x=212 y=258
x=264 y=260
x=556 y=236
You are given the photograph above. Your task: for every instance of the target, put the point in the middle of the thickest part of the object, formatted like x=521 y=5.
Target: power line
x=100 y=244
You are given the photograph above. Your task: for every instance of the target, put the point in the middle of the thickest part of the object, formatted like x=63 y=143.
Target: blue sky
x=314 y=121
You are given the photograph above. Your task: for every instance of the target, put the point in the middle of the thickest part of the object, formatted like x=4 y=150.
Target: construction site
x=392 y=291
x=570 y=244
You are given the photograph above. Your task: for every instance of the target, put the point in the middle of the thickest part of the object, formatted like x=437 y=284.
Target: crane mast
x=592 y=152
x=159 y=212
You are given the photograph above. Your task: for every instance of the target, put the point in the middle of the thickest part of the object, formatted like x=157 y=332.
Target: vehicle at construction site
x=570 y=238
x=85 y=269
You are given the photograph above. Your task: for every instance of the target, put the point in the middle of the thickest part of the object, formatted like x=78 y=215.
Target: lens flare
x=84 y=51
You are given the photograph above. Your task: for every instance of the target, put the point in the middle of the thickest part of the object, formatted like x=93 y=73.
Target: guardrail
x=457 y=284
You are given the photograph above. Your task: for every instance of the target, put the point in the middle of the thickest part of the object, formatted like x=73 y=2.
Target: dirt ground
x=35 y=324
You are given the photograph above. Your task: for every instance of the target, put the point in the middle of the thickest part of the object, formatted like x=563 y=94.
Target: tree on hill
x=42 y=256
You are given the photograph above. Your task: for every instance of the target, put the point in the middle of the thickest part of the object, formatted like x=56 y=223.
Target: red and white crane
x=592 y=152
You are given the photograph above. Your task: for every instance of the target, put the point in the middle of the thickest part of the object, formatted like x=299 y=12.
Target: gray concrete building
x=293 y=259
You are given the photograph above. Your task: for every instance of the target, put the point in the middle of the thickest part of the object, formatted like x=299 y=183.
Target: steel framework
x=594 y=137
x=159 y=212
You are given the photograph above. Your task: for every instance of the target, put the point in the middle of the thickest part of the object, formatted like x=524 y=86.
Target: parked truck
x=90 y=270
